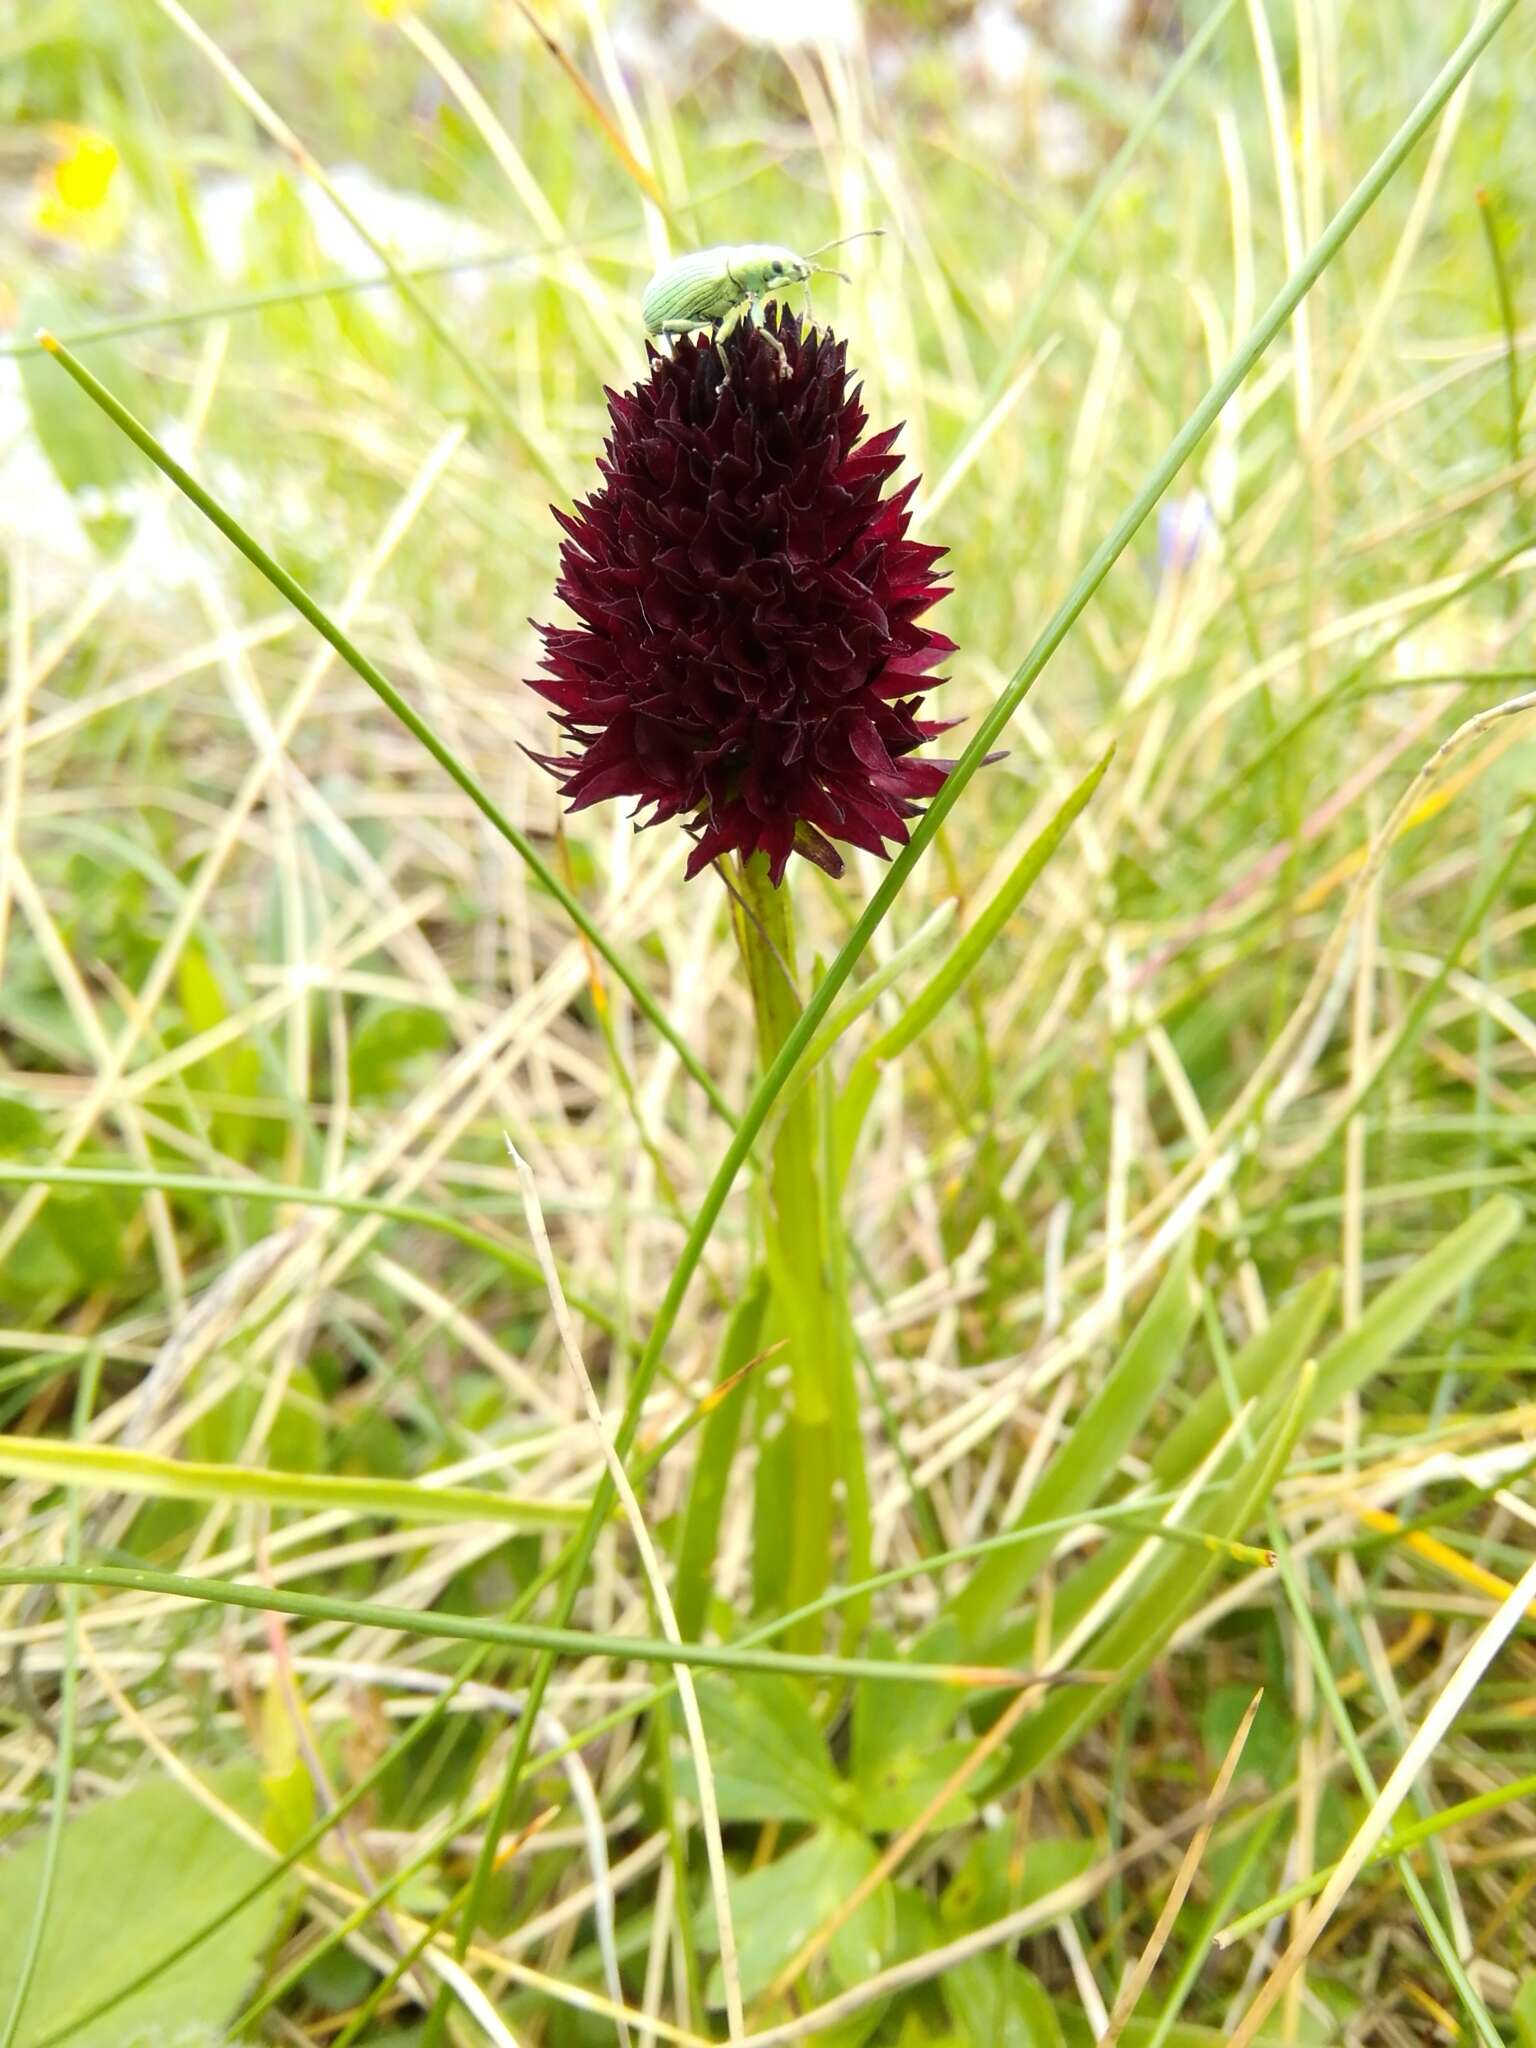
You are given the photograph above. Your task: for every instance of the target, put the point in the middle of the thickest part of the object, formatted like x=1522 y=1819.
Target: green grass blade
x=972 y=946
x=1270 y=1358
x=1405 y=1305
x=870 y=990
x=858 y=1091
x=697 y=1540
x=236 y=303
x=1086 y=1463
x=111 y=1469
x=1138 y=1634
x=471 y=1628
x=1266 y=1366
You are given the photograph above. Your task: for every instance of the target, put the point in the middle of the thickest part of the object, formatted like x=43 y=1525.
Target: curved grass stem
x=290 y=588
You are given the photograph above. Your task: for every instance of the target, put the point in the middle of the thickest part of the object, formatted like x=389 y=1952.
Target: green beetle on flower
x=719 y=288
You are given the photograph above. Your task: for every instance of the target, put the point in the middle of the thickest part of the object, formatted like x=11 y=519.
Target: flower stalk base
x=808 y=1312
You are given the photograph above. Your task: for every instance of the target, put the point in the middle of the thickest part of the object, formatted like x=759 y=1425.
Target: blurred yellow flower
x=79 y=197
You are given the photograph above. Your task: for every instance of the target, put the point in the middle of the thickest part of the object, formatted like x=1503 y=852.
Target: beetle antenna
x=857 y=236
x=826 y=270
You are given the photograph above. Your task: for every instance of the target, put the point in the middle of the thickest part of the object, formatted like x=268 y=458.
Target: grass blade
x=110 y=1469
x=1086 y=1463
x=470 y=1628
x=1405 y=1305
x=1138 y=1635
x=972 y=946
x=696 y=1547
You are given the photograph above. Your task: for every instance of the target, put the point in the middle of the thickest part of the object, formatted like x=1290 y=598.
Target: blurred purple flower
x=1183 y=526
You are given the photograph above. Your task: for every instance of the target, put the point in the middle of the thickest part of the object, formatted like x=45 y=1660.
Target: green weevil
x=719 y=288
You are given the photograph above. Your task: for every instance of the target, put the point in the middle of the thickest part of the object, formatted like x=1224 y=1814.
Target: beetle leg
x=777 y=346
x=729 y=322
x=673 y=330
x=746 y=311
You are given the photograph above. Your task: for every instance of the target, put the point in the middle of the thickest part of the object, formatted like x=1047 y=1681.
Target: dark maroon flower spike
x=750 y=656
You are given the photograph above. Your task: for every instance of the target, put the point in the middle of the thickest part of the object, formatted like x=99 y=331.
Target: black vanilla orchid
x=750 y=655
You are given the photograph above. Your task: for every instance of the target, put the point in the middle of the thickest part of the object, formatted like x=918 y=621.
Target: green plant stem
x=795 y=1231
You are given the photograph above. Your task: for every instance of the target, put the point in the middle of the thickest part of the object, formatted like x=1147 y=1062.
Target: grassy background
x=251 y=931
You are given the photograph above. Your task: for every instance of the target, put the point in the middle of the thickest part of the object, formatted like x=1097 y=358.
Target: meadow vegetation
x=384 y=1159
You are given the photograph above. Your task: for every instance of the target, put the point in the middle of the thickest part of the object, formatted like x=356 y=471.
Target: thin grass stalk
x=554 y=1642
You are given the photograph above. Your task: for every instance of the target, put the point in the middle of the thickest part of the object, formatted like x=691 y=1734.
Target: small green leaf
x=138 y=1874
x=889 y=1717
x=21 y=1126
x=901 y=1760
x=894 y=1792
x=337 y=1980
x=992 y=1998
x=766 y=1752
x=87 y=1229
x=287 y=1790
x=390 y=1035
x=296 y=1441
x=777 y=1909
x=991 y=1883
